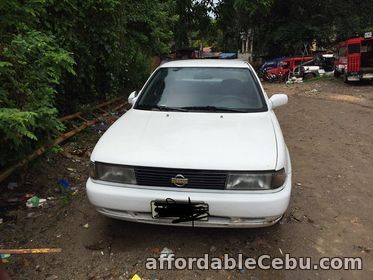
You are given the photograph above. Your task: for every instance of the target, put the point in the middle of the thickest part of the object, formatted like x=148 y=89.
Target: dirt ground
x=328 y=127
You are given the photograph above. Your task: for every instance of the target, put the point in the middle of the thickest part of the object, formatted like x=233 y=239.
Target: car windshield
x=202 y=89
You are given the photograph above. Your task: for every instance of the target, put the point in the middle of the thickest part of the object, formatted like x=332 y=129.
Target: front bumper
x=366 y=74
x=226 y=208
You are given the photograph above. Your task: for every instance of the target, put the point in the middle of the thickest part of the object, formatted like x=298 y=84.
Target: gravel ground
x=328 y=127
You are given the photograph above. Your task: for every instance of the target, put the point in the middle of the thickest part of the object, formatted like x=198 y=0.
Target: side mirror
x=132 y=97
x=278 y=100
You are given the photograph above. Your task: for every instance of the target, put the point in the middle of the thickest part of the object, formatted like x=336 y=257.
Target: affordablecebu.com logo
x=264 y=262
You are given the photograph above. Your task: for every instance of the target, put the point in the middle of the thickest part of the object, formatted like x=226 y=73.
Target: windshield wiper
x=166 y=108
x=214 y=109
x=162 y=108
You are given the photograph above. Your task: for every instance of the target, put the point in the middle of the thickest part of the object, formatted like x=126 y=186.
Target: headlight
x=112 y=173
x=256 y=181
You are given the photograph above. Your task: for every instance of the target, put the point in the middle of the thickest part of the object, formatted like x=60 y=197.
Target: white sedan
x=200 y=146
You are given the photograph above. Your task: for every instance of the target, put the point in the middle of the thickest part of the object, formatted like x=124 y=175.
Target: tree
x=236 y=16
x=31 y=65
x=194 y=24
x=228 y=26
x=57 y=55
x=283 y=27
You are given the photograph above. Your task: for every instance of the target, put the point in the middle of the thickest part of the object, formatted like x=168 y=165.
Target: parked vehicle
x=354 y=59
x=200 y=146
x=286 y=68
x=269 y=64
x=310 y=71
x=326 y=61
x=228 y=56
x=320 y=65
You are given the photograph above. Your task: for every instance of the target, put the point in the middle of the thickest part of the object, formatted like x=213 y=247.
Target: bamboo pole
x=30 y=251
x=83 y=119
x=7 y=172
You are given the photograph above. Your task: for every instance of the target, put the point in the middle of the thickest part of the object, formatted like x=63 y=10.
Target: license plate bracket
x=180 y=211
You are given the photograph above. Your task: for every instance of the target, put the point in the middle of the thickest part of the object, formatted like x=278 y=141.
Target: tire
x=309 y=76
x=337 y=74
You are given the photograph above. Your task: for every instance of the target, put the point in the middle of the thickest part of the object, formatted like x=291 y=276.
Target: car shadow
x=148 y=239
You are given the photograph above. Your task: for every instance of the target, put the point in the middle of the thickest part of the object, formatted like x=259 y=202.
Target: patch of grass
x=320 y=78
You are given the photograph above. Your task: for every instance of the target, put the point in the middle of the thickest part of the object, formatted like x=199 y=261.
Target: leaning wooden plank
x=5 y=174
x=83 y=119
x=30 y=251
x=70 y=117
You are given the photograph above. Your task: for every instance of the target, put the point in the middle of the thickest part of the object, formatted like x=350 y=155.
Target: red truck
x=354 y=59
x=288 y=65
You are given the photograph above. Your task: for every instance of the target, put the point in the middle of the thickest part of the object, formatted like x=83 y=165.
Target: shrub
x=31 y=65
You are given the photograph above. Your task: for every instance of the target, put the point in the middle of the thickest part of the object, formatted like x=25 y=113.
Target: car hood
x=214 y=141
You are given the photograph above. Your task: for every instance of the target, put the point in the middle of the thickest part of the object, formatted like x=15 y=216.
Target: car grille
x=199 y=179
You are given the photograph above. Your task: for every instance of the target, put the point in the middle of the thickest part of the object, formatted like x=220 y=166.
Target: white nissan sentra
x=201 y=146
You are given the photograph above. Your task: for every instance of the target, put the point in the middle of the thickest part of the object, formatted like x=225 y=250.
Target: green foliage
x=194 y=24
x=58 y=54
x=16 y=124
x=236 y=16
x=283 y=27
x=228 y=33
x=292 y=24
x=250 y=11
x=31 y=65
x=146 y=30
x=107 y=38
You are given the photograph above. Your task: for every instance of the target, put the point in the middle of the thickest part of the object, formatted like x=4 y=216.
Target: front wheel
x=309 y=76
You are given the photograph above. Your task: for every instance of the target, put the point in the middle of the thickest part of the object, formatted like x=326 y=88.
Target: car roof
x=231 y=63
